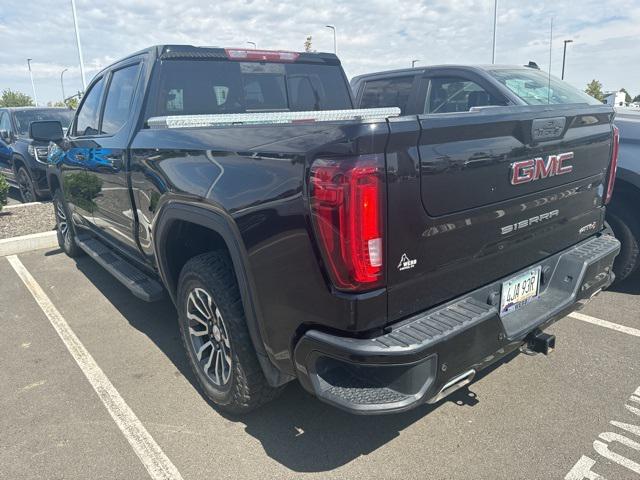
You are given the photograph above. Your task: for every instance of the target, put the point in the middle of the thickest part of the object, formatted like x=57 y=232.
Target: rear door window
x=387 y=92
x=119 y=97
x=88 y=115
x=456 y=94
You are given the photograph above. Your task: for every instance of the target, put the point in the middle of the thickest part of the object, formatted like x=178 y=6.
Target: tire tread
x=626 y=227
x=249 y=385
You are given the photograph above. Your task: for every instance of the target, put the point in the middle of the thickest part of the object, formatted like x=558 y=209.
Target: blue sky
x=372 y=35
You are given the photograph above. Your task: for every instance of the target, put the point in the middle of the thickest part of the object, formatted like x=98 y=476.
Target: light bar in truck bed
x=268 y=118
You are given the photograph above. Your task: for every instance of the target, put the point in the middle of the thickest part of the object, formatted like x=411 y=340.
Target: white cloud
x=372 y=35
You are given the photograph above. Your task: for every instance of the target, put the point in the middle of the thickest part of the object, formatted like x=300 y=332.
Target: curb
x=20 y=205
x=26 y=243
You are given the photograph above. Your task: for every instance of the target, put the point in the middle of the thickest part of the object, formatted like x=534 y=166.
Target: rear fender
x=218 y=220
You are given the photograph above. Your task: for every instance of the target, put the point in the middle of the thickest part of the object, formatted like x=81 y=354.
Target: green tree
x=594 y=88
x=636 y=98
x=307 y=44
x=627 y=97
x=9 y=98
x=72 y=102
x=4 y=190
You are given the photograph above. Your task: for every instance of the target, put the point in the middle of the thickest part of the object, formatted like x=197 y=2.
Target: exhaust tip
x=453 y=385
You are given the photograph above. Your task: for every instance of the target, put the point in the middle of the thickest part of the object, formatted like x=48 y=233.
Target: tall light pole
x=33 y=85
x=495 y=30
x=75 y=24
x=335 y=38
x=255 y=46
x=62 y=83
x=550 y=50
x=413 y=63
x=564 y=55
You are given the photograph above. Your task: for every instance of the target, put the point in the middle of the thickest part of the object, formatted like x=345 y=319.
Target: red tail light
x=261 y=55
x=613 y=168
x=347 y=207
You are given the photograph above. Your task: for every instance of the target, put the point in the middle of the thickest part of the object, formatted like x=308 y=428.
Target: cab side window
x=119 y=97
x=455 y=94
x=88 y=115
x=387 y=92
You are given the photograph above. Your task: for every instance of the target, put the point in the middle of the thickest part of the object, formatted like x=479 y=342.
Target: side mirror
x=46 y=131
x=5 y=135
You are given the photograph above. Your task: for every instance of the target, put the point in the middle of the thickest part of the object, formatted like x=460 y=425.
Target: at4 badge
x=406 y=263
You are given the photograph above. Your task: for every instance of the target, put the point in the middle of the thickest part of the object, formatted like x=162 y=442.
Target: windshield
x=23 y=118
x=535 y=88
x=192 y=87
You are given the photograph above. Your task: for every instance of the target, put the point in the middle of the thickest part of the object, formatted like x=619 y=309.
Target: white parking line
x=604 y=323
x=149 y=452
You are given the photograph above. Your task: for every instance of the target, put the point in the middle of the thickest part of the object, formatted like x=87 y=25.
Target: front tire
x=65 y=229
x=626 y=227
x=215 y=335
x=26 y=187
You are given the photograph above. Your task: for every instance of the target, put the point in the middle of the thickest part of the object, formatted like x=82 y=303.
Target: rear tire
x=626 y=227
x=65 y=229
x=215 y=335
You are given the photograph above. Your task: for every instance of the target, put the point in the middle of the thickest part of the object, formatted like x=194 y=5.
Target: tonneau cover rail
x=266 y=118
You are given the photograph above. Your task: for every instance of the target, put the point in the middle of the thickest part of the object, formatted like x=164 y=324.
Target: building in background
x=616 y=99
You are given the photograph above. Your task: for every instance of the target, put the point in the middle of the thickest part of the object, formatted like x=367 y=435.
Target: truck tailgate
x=488 y=193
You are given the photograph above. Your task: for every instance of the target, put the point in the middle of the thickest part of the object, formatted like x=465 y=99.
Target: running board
x=141 y=285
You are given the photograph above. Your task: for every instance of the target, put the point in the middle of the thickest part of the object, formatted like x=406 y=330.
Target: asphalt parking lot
x=531 y=417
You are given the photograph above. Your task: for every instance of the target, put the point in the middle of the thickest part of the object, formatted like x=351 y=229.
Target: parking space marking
x=148 y=451
x=604 y=323
x=604 y=445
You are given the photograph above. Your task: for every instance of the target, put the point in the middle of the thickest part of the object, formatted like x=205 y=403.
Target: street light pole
x=62 y=83
x=255 y=46
x=75 y=24
x=413 y=63
x=495 y=30
x=335 y=38
x=33 y=85
x=550 y=50
x=564 y=55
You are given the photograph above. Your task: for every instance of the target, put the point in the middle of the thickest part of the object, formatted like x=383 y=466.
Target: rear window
x=192 y=87
x=535 y=88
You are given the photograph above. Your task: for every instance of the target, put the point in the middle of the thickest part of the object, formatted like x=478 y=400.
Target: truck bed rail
x=267 y=118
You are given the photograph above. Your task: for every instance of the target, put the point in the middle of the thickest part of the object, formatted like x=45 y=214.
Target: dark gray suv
x=22 y=160
x=623 y=213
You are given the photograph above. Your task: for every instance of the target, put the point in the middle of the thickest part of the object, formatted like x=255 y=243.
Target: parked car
x=22 y=160
x=462 y=88
x=623 y=213
x=380 y=260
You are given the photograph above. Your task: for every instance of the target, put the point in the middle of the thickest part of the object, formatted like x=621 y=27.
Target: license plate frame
x=519 y=291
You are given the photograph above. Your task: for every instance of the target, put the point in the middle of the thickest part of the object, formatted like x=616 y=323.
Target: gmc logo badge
x=531 y=170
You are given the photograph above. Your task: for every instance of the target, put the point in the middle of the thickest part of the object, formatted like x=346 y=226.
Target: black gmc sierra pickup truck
x=382 y=260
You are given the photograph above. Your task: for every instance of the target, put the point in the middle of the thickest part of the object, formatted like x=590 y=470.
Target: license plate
x=519 y=291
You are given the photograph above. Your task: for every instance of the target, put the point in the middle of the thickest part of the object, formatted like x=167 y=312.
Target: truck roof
x=426 y=69
x=178 y=51
x=19 y=109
